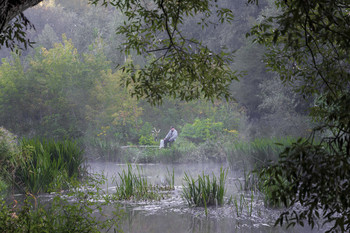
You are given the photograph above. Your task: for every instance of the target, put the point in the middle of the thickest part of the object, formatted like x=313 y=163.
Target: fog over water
x=173 y=215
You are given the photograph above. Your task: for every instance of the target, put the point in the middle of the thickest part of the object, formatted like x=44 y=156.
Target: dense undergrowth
x=81 y=209
x=34 y=165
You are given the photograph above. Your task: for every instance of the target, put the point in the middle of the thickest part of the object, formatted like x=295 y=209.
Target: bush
x=8 y=147
x=147 y=140
x=202 y=130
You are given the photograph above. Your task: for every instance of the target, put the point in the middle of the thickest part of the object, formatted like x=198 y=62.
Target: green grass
x=43 y=165
x=256 y=153
x=205 y=191
x=135 y=186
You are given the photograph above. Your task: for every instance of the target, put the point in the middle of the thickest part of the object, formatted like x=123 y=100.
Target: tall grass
x=256 y=153
x=135 y=186
x=46 y=164
x=171 y=178
x=205 y=191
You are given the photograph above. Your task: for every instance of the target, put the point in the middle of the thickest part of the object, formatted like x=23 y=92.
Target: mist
x=68 y=85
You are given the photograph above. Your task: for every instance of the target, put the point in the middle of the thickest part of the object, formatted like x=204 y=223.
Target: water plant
x=256 y=153
x=171 y=179
x=77 y=211
x=45 y=164
x=135 y=186
x=205 y=191
x=242 y=202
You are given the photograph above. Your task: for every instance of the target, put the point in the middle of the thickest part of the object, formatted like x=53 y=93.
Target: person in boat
x=170 y=137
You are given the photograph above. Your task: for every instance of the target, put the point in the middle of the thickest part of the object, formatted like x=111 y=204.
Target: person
x=170 y=137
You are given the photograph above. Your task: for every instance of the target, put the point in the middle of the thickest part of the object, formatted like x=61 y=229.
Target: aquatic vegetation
x=102 y=148
x=77 y=211
x=205 y=191
x=135 y=186
x=45 y=165
x=242 y=202
x=171 y=179
x=257 y=152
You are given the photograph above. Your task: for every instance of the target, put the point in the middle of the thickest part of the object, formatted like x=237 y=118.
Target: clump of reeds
x=135 y=186
x=257 y=152
x=45 y=164
x=205 y=191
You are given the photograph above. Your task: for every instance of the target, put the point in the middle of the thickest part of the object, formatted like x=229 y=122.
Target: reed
x=135 y=186
x=44 y=164
x=171 y=178
x=257 y=152
x=241 y=202
x=205 y=191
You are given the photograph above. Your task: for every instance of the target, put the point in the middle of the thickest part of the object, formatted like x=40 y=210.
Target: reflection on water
x=173 y=215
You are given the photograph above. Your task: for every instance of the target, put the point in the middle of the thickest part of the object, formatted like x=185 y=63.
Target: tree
x=308 y=46
x=12 y=33
x=181 y=66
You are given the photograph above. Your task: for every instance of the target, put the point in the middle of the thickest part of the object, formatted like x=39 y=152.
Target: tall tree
x=309 y=45
x=181 y=66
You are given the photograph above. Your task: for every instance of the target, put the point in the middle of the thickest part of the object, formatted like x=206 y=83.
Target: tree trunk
x=9 y=9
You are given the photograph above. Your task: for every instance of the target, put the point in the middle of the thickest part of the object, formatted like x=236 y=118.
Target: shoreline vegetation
x=37 y=166
x=42 y=165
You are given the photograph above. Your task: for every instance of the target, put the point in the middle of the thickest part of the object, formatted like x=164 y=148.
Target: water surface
x=173 y=215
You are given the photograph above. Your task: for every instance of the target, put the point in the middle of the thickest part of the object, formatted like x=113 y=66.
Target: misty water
x=172 y=214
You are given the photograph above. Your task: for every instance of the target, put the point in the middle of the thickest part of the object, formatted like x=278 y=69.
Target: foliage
x=317 y=175
x=45 y=165
x=14 y=34
x=8 y=150
x=147 y=140
x=8 y=146
x=3 y=188
x=203 y=191
x=285 y=110
x=77 y=211
x=308 y=45
x=49 y=92
x=256 y=153
x=179 y=66
x=202 y=130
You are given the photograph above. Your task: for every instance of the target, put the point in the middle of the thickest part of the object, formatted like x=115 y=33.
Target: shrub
x=202 y=130
x=147 y=140
x=8 y=147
